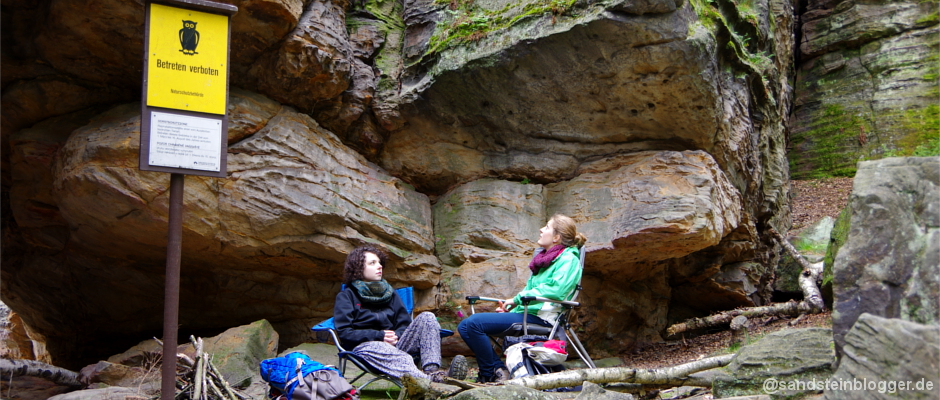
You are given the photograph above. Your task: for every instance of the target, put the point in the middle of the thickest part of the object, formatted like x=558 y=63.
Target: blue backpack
x=297 y=369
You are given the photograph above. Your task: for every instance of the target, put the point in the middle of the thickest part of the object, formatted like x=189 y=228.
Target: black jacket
x=357 y=322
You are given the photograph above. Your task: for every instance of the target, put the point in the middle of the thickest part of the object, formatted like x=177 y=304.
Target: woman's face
x=547 y=236
x=372 y=270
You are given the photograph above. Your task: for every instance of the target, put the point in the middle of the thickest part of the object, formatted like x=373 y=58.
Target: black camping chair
x=560 y=329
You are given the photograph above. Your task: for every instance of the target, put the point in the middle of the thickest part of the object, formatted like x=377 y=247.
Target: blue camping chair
x=408 y=298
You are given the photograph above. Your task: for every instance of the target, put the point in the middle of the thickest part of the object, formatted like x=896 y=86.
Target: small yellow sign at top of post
x=188 y=52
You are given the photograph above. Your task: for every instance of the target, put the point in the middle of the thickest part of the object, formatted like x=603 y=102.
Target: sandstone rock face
x=866 y=84
x=18 y=341
x=304 y=214
x=889 y=265
x=638 y=211
x=449 y=136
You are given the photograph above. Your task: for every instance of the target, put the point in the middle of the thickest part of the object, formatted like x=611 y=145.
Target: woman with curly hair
x=371 y=319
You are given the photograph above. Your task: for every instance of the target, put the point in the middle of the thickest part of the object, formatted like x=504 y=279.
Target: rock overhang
x=536 y=105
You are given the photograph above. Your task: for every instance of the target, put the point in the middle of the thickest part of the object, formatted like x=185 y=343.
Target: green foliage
x=929 y=19
x=525 y=181
x=710 y=16
x=808 y=246
x=466 y=23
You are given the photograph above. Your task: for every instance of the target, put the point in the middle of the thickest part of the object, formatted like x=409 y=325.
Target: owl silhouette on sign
x=189 y=38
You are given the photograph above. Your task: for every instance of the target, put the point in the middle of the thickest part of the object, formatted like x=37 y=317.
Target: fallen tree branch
x=808 y=280
x=789 y=308
x=60 y=376
x=199 y=376
x=790 y=249
x=670 y=376
x=418 y=388
x=810 y=277
x=811 y=295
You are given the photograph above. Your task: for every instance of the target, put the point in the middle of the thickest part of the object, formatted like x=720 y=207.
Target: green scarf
x=378 y=292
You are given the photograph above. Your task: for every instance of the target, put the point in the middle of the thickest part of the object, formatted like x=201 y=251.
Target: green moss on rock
x=840 y=232
x=835 y=133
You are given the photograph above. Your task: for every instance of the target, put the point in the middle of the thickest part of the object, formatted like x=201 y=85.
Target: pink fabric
x=545 y=258
x=559 y=346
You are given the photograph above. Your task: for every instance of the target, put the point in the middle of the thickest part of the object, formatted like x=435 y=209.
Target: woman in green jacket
x=556 y=272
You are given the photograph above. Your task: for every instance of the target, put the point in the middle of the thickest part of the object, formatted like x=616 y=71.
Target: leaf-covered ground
x=812 y=200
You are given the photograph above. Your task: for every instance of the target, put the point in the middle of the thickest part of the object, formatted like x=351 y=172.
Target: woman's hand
x=505 y=305
x=390 y=338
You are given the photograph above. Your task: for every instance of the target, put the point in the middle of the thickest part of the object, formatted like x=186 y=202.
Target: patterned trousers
x=422 y=338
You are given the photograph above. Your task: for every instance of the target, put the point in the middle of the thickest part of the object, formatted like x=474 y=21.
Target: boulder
x=593 y=391
x=237 y=354
x=114 y=392
x=889 y=265
x=487 y=219
x=890 y=358
x=503 y=392
x=840 y=233
x=783 y=356
x=648 y=206
x=145 y=380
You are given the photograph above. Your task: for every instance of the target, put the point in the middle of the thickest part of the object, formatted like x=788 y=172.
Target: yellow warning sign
x=186 y=68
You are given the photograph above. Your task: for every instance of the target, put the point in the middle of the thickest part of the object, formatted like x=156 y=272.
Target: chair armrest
x=529 y=299
x=474 y=299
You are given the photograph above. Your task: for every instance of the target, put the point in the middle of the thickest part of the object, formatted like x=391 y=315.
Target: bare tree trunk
x=59 y=376
x=790 y=249
x=809 y=279
x=811 y=294
x=672 y=376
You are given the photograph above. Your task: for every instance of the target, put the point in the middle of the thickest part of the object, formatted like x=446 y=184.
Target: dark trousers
x=475 y=330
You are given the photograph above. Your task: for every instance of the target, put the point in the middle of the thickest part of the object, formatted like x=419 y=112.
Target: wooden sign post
x=183 y=127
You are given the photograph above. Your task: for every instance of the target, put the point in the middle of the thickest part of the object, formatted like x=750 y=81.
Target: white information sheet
x=181 y=141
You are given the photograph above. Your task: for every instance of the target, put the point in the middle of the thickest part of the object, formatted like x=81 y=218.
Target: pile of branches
x=199 y=379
